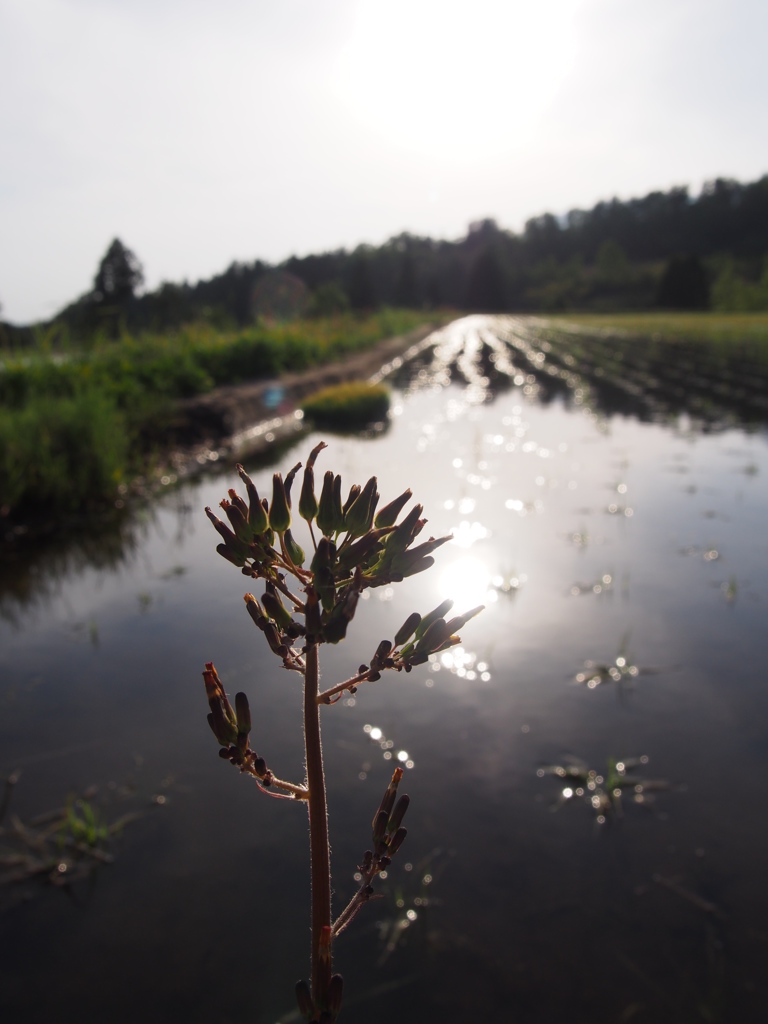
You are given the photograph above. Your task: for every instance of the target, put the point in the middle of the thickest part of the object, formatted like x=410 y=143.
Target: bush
x=348 y=405
x=61 y=454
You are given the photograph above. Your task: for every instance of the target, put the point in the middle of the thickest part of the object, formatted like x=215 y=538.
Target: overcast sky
x=201 y=132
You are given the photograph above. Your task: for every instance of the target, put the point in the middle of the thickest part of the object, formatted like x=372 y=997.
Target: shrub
x=353 y=404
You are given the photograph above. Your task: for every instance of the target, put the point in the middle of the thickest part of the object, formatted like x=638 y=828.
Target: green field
x=705 y=327
x=77 y=423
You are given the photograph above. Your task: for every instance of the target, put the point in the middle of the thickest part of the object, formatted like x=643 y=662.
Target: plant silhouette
x=354 y=547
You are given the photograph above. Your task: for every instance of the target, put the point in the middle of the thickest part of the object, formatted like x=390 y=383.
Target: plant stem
x=320 y=858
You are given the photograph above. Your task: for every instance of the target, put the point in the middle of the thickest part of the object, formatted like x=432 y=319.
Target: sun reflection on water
x=466 y=582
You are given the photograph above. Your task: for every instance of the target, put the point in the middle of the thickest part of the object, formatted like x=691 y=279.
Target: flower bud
x=388 y=515
x=275 y=609
x=257 y=517
x=437 y=613
x=243 y=712
x=354 y=492
x=459 y=621
x=279 y=510
x=381 y=655
x=304 y=999
x=236 y=500
x=388 y=800
x=397 y=841
x=293 y=550
x=335 y=988
x=403 y=534
x=289 y=482
x=407 y=629
x=238 y=521
x=435 y=635
x=380 y=826
x=359 y=518
x=236 y=548
x=362 y=551
x=398 y=814
x=324 y=556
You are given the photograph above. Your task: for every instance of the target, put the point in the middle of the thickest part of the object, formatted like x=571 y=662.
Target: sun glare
x=445 y=74
x=465 y=582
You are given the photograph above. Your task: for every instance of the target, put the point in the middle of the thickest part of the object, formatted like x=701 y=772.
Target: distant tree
x=612 y=264
x=329 y=299
x=684 y=284
x=486 y=285
x=119 y=275
x=360 y=287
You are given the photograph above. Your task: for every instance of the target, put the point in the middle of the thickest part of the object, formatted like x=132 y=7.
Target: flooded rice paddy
x=587 y=832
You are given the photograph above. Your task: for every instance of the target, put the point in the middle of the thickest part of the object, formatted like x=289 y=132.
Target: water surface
x=620 y=548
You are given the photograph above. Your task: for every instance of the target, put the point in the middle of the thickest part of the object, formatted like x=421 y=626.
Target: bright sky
x=201 y=132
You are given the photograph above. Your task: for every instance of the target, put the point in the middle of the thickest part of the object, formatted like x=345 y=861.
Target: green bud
x=243 y=712
x=224 y=731
x=325 y=556
x=294 y=551
x=289 y=482
x=413 y=566
x=388 y=515
x=279 y=510
x=398 y=814
x=307 y=501
x=388 y=800
x=396 y=841
x=335 y=989
x=407 y=629
x=338 y=511
x=326 y=515
x=335 y=629
x=255 y=611
x=358 y=519
x=238 y=520
x=459 y=621
x=437 y=613
x=237 y=550
x=326 y=587
x=403 y=534
x=275 y=609
x=304 y=999
x=380 y=826
x=230 y=555
x=434 y=636
x=235 y=498
x=352 y=497
x=381 y=655
x=362 y=551
x=257 y=517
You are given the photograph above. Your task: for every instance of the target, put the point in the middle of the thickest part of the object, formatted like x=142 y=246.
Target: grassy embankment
x=75 y=424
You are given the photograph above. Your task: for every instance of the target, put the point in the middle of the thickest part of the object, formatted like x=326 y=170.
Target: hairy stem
x=320 y=856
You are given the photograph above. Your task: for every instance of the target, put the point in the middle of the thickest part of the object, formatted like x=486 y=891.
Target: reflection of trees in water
x=31 y=577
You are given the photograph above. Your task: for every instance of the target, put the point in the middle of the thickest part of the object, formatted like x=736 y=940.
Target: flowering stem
x=320 y=857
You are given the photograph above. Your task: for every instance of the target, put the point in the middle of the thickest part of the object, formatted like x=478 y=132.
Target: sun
x=459 y=76
x=466 y=582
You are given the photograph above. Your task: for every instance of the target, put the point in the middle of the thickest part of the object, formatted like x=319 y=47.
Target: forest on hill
x=667 y=250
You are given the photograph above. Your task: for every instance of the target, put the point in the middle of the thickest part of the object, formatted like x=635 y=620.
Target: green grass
x=347 y=405
x=707 y=327
x=75 y=421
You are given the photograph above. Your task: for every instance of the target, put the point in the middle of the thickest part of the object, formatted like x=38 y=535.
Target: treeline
x=666 y=250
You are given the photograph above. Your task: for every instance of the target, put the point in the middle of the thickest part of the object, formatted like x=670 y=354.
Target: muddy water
x=613 y=521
